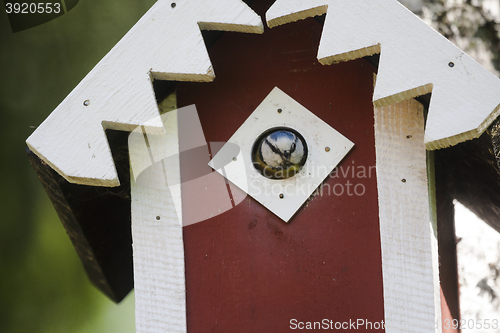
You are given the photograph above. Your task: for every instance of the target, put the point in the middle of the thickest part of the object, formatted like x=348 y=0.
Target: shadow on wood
x=472 y=174
x=97 y=219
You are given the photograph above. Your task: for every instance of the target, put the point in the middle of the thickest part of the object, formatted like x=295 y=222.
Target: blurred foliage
x=43 y=287
x=471 y=25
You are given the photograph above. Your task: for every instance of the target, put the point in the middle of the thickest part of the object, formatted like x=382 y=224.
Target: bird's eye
x=279 y=153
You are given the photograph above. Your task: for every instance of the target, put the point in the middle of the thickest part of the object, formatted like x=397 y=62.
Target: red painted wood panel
x=248 y=271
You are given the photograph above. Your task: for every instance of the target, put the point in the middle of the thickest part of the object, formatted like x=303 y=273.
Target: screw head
x=403 y=180
x=281 y=196
x=234 y=158
x=280 y=110
x=158 y=217
x=173 y=4
x=327 y=149
x=451 y=64
x=86 y=102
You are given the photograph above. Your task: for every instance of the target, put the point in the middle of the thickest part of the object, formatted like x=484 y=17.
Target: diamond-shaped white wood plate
x=326 y=148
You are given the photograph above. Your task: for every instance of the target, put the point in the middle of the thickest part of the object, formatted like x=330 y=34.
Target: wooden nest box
x=268 y=182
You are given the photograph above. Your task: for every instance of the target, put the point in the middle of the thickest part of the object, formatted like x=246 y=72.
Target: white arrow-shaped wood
x=165 y=44
x=415 y=60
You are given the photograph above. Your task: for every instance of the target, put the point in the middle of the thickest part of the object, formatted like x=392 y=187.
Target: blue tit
x=279 y=153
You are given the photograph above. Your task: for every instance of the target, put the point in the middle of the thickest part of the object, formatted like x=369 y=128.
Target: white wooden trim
x=158 y=247
x=165 y=44
x=298 y=189
x=415 y=60
x=409 y=245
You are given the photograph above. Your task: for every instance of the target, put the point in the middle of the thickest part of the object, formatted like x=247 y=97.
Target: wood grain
x=409 y=245
x=158 y=248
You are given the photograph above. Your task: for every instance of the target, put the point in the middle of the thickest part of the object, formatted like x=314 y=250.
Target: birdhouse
x=272 y=166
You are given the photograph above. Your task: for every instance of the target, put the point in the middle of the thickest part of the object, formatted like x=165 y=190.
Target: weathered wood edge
x=97 y=220
x=167 y=44
x=415 y=60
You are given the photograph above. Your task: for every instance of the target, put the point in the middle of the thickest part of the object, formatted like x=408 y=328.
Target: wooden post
x=408 y=240
x=159 y=279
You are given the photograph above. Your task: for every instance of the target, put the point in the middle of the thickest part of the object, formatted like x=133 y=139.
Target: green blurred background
x=43 y=287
